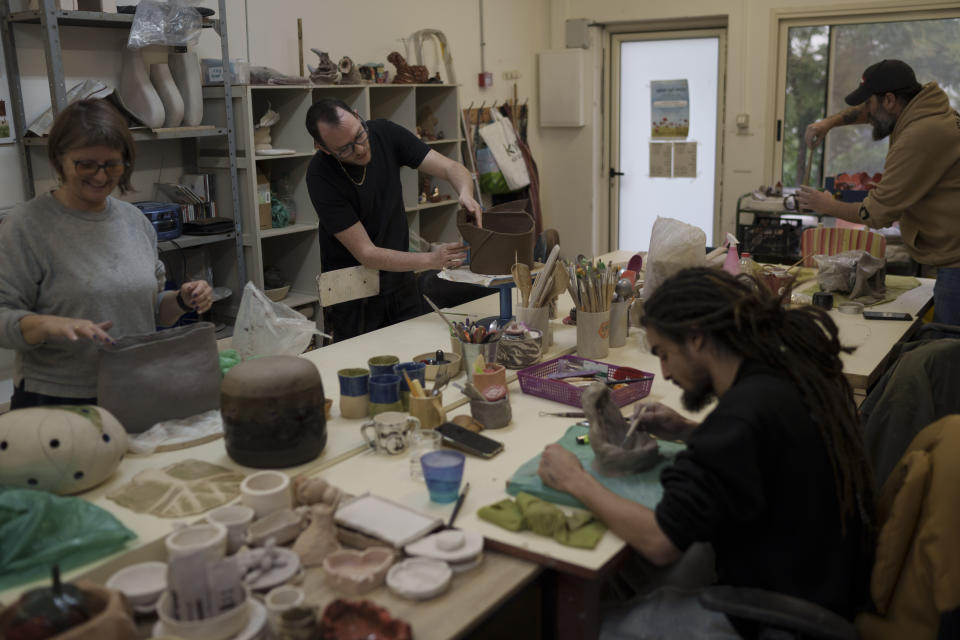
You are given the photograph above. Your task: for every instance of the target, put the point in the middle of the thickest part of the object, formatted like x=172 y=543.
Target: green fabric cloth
x=530 y=512
x=641 y=487
x=896 y=287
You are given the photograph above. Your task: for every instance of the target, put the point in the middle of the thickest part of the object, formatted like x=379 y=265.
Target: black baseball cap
x=884 y=76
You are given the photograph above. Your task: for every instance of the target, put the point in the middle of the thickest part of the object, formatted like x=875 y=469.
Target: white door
x=666 y=100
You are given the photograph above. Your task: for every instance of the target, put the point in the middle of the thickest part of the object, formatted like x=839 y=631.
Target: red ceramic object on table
x=345 y=620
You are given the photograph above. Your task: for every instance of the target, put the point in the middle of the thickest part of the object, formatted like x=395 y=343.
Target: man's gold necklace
x=347 y=173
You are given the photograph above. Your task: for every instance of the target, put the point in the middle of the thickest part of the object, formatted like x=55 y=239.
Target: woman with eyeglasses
x=79 y=266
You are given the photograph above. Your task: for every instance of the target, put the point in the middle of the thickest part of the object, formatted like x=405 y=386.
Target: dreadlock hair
x=748 y=320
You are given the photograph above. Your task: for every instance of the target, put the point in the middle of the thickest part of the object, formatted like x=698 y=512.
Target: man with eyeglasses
x=354 y=184
x=921 y=175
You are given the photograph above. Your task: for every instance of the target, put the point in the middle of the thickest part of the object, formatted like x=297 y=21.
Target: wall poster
x=669 y=109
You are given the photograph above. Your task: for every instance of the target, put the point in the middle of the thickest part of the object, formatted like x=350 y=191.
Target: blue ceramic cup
x=385 y=389
x=443 y=471
x=354 y=382
x=381 y=365
x=415 y=371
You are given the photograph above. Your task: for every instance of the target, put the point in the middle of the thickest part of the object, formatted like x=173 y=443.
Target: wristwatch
x=183 y=305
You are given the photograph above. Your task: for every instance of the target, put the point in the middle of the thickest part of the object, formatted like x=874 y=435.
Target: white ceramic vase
x=169 y=95
x=185 y=69
x=137 y=93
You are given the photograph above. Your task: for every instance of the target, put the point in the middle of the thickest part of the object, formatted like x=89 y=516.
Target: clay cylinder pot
x=507 y=236
x=273 y=413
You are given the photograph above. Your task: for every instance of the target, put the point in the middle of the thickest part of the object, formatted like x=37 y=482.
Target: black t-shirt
x=756 y=482
x=377 y=203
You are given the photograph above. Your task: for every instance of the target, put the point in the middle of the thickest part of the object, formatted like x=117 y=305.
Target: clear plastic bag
x=174 y=23
x=856 y=272
x=674 y=245
x=267 y=328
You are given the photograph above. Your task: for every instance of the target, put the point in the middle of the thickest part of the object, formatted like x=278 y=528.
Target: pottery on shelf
x=169 y=95
x=357 y=572
x=273 y=412
x=283 y=526
x=137 y=93
x=419 y=578
x=63 y=450
x=319 y=539
x=185 y=69
x=507 y=233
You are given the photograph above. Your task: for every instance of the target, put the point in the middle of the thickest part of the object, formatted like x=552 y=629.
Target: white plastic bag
x=165 y=22
x=502 y=141
x=674 y=245
x=268 y=328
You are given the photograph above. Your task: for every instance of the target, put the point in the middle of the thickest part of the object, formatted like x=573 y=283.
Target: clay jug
x=507 y=235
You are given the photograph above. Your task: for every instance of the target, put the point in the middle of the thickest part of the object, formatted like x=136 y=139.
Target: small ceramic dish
x=466 y=565
x=452 y=545
x=419 y=578
x=283 y=526
x=256 y=624
x=142 y=583
x=451 y=367
x=286 y=565
x=357 y=572
x=219 y=627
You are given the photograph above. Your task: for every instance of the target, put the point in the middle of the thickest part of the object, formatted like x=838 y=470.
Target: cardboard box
x=263 y=201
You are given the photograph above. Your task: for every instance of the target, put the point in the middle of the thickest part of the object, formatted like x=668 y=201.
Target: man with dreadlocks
x=775 y=478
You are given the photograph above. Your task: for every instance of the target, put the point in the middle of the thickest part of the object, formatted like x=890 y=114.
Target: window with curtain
x=824 y=64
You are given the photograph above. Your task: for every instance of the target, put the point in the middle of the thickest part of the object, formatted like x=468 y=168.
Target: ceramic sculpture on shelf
x=349 y=72
x=169 y=95
x=185 y=69
x=326 y=71
x=138 y=95
x=261 y=131
x=63 y=450
x=407 y=73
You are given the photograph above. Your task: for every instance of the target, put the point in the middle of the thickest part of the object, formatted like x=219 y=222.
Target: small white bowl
x=419 y=578
x=220 y=627
x=142 y=583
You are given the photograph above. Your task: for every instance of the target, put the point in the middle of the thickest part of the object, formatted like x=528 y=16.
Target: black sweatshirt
x=756 y=482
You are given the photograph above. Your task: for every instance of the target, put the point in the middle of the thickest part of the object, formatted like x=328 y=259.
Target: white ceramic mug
x=266 y=492
x=209 y=539
x=236 y=518
x=390 y=431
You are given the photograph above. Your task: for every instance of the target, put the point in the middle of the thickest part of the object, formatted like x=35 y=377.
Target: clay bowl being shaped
x=142 y=583
x=357 y=572
x=273 y=412
x=419 y=578
x=220 y=627
x=283 y=526
x=342 y=619
x=451 y=366
x=507 y=236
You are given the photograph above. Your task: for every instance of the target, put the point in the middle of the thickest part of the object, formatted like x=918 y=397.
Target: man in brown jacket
x=921 y=175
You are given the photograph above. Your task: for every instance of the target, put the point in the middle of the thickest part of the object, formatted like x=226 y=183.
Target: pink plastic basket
x=534 y=381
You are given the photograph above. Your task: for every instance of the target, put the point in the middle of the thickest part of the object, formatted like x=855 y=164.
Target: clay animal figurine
x=613 y=455
x=349 y=73
x=310 y=491
x=62 y=450
x=326 y=71
x=319 y=539
x=407 y=73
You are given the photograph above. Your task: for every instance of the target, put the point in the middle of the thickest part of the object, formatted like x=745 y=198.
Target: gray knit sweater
x=63 y=262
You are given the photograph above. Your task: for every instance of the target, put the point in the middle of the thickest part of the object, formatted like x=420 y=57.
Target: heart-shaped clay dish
x=357 y=572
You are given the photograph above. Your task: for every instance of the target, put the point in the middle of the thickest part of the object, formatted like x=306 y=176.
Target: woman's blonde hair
x=90 y=123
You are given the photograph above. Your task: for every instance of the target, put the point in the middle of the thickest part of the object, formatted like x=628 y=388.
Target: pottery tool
x=627 y=380
x=471 y=391
x=416 y=389
x=540 y=284
x=521 y=277
x=563 y=414
x=453 y=330
x=439 y=383
x=633 y=424
x=456 y=507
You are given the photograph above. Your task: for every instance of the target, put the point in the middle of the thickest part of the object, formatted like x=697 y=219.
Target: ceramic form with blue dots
x=63 y=450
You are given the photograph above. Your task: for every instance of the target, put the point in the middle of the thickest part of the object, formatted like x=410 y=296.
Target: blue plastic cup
x=354 y=382
x=443 y=471
x=385 y=389
x=382 y=365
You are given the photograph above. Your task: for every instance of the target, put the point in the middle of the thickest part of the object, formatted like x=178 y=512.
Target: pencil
x=456 y=507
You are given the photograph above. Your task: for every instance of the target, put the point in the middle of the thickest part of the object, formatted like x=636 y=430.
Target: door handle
x=614 y=172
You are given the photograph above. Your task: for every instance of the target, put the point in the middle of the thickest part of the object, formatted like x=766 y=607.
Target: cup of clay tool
x=384 y=394
x=473 y=349
x=382 y=365
x=443 y=471
x=593 y=334
x=429 y=410
x=415 y=371
x=354 y=392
